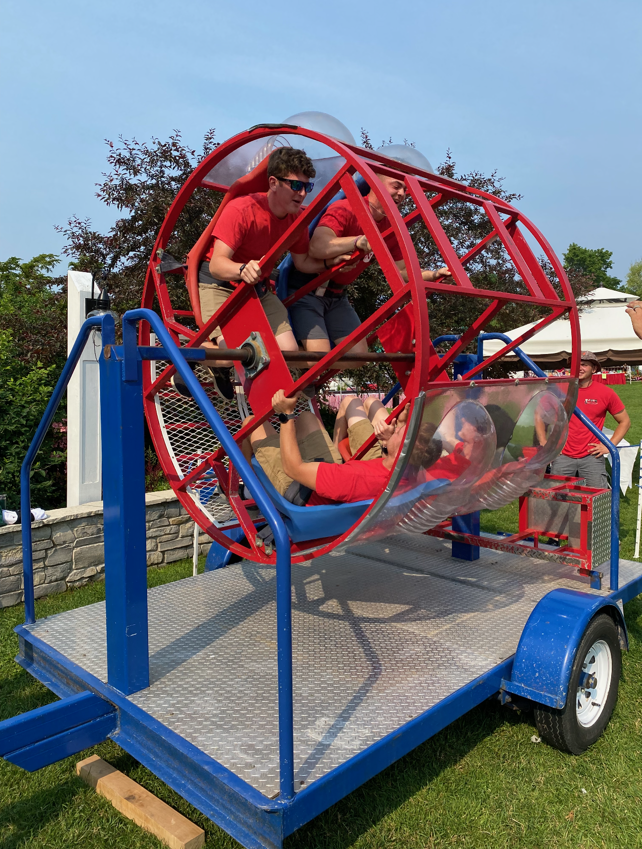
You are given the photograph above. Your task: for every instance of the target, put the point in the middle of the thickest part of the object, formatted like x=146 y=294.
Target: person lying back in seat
x=305 y=466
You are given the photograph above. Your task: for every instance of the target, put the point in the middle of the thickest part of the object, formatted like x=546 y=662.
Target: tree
x=32 y=352
x=634 y=279
x=142 y=182
x=144 y=179
x=593 y=263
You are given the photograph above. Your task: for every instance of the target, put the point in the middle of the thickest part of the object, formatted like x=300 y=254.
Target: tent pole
x=638 y=523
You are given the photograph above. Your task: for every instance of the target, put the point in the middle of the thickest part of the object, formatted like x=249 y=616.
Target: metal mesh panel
x=189 y=438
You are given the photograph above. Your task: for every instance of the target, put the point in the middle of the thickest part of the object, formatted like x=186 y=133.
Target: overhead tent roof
x=605 y=329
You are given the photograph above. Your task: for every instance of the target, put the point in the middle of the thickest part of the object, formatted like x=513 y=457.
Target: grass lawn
x=481 y=782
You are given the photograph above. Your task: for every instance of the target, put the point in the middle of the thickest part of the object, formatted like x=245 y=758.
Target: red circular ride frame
x=425 y=369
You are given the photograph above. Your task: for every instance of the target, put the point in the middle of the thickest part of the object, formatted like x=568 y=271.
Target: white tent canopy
x=605 y=329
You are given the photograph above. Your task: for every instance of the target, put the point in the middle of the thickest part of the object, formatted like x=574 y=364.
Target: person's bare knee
x=286 y=341
x=355 y=411
x=306 y=424
x=375 y=410
x=261 y=432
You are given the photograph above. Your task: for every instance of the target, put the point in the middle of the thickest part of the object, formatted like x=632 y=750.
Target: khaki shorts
x=213 y=297
x=315 y=446
x=358 y=433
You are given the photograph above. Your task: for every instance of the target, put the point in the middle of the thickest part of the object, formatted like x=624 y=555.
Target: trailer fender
x=549 y=641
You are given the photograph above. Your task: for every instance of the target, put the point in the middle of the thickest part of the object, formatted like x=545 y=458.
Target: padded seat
x=306 y=523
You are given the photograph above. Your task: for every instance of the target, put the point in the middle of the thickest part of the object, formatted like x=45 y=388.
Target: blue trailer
x=263 y=694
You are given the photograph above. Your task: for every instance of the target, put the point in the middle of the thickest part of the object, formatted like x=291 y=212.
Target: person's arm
x=623 y=424
x=223 y=268
x=293 y=466
x=632 y=311
x=426 y=273
x=308 y=265
x=325 y=244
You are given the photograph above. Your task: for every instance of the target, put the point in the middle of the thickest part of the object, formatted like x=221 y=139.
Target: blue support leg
x=124 y=516
x=468 y=524
x=218 y=556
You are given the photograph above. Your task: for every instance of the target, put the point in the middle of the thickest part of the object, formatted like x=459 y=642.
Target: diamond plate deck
x=380 y=634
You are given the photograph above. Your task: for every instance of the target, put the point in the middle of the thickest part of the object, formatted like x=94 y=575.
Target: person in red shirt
x=306 y=468
x=582 y=455
x=326 y=314
x=248 y=228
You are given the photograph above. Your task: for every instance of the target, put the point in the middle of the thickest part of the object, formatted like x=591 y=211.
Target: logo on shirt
x=591 y=401
x=368 y=257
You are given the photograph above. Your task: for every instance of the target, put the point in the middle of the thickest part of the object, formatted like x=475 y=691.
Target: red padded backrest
x=255 y=181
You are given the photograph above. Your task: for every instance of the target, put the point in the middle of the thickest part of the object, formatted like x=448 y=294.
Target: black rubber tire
x=561 y=728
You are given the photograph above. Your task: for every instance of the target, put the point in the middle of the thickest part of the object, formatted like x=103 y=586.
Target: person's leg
x=277 y=315
x=341 y=321
x=375 y=410
x=314 y=442
x=267 y=450
x=212 y=298
x=341 y=421
x=308 y=322
x=359 y=427
x=565 y=466
x=593 y=469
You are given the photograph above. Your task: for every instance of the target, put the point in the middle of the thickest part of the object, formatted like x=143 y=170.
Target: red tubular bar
x=368 y=164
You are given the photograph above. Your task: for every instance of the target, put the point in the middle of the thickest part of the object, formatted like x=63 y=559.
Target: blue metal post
x=124 y=517
x=281 y=539
x=25 y=470
x=468 y=524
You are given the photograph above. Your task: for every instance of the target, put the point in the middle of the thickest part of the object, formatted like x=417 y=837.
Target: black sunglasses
x=297 y=185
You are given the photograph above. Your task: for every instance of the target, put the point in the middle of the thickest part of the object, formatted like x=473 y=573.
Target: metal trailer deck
x=391 y=642
x=265 y=692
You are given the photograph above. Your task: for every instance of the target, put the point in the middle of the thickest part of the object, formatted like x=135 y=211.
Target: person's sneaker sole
x=222 y=383
x=180 y=386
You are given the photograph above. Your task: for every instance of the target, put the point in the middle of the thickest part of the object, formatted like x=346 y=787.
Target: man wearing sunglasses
x=326 y=314
x=248 y=228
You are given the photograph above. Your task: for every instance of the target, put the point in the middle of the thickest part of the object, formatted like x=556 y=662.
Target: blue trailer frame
x=91 y=709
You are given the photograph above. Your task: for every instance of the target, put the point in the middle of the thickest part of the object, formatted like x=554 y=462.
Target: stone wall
x=68 y=546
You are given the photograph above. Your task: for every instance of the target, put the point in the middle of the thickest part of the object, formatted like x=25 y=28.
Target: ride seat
x=306 y=523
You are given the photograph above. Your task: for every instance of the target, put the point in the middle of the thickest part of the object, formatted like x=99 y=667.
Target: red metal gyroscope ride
x=517 y=427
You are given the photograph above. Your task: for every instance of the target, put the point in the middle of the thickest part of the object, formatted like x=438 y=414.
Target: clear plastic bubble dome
x=408 y=155
x=326 y=161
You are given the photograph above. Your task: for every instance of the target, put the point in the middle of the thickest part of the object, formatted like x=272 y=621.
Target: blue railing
x=36 y=442
x=131 y=359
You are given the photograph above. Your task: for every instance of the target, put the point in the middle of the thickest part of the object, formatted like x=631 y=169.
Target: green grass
x=479 y=783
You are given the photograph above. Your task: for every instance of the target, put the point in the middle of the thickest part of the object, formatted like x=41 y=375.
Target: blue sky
x=547 y=93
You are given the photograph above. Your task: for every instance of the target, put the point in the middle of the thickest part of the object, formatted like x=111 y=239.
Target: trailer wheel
x=592 y=691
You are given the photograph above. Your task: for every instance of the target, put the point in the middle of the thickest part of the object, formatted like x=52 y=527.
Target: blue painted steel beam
x=131 y=365
x=54 y=749
x=36 y=442
x=51 y=720
x=123 y=447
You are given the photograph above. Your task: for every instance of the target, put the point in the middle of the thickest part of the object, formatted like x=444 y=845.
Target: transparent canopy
x=326 y=162
x=466 y=449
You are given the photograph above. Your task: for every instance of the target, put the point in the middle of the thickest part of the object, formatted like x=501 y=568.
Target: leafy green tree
x=142 y=181
x=634 y=279
x=593 y=263
x=32 y=353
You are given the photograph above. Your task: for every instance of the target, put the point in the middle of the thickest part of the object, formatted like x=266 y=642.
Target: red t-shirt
x=340 y=218
x=595 y=400
x=355 y=480
x=250 y=228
